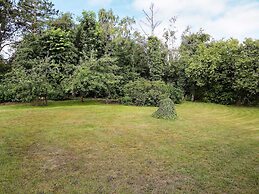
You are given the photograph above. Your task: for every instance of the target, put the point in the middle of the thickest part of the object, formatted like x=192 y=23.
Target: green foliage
x=28 y=50
x=58 y=46
x=33 y=15
x=8 y=26
x=156 y=58
x=221 y=67
x=224 y=71
x=2 y=93
x=176 y=94
x=86 y=38
x=246 y=83
x=188 y=49
x=106 y=57
x=64 y=22
x=126 y=100
x=166 y=110
x=143 y=92
x=126 y=49
x=22 y=17
x=96 y=78
x=27 y=85
x=80 y=82
x=191 y=41
x=107 y=22
x=4 y=67
x=55 y=44
x=18 y=85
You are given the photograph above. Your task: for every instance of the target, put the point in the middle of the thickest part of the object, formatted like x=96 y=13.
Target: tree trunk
x=82 y=99
x=192 y=93
x=46 y=101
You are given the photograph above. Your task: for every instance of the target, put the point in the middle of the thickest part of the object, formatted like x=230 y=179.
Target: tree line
x=102 y=55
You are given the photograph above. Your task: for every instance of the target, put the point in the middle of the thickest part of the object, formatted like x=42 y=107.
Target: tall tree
x=34 y=14
x=246 y=75
x=107 y=23
x=55 y=44
x=64 y=21
x=156 y=58
x=21 y=17
x=86 y=35
x=188 y=48
x=8 y=27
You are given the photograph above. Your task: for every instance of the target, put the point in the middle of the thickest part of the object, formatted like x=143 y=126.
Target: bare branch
x=143 y=30
x=147 y=16
x=150 y=18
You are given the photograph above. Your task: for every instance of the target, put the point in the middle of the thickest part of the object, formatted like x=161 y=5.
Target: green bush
x=166 y=110
x=144 y=92
x=126 y=100
x=2 y=93
x=176 y=94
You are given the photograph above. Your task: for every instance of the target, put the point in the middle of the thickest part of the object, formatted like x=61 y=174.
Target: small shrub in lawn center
x=166 y=110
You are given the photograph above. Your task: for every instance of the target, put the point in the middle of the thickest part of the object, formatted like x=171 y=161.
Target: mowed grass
x=72 y=147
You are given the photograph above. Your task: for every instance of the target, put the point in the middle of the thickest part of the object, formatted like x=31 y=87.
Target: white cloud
x=220 y=18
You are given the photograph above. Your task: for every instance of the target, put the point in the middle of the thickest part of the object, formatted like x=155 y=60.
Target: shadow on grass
x=52 y=104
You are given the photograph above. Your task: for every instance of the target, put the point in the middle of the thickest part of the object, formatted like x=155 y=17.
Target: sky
x=220 y=18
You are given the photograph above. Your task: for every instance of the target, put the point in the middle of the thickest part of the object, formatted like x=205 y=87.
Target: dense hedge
x=144 y=92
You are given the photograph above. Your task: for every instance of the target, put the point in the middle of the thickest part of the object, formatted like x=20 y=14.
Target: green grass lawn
x=72 y=147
